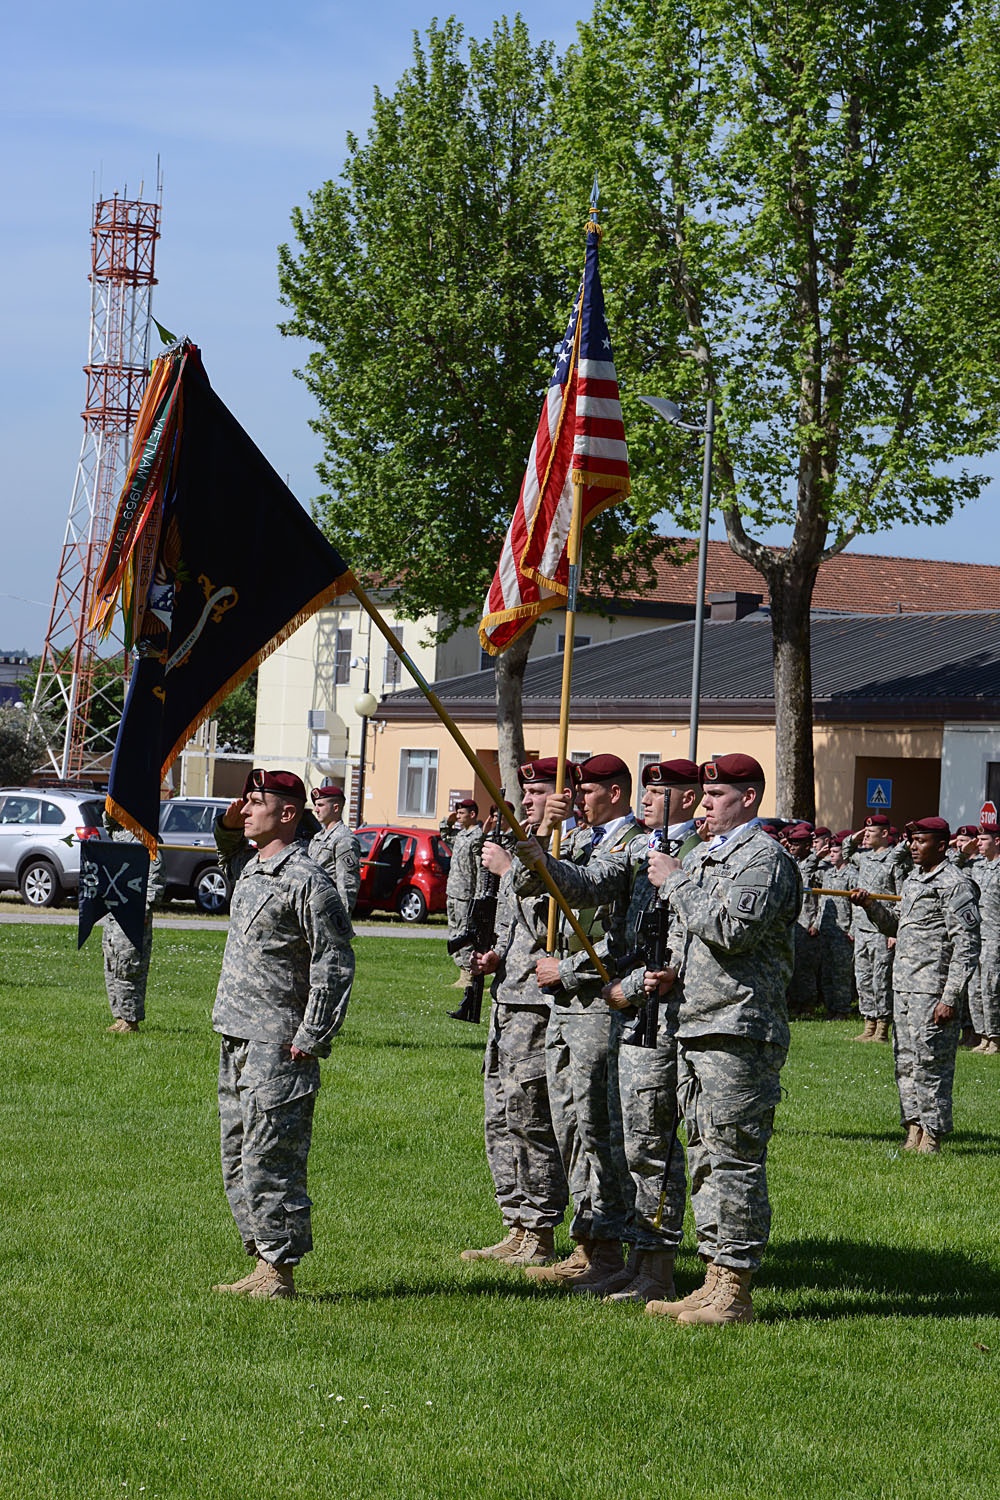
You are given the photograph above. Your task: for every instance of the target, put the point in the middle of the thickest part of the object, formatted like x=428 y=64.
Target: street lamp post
x=671 y=413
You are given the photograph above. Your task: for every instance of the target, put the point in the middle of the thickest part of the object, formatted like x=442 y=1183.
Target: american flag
x=580 y=442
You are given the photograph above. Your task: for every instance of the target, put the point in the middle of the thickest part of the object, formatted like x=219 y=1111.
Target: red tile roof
x=855 y=582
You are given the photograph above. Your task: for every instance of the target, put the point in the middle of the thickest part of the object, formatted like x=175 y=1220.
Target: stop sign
x=988 y=815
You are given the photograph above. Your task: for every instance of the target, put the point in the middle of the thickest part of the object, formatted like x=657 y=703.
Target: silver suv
x=41 y=829
x=190 y=858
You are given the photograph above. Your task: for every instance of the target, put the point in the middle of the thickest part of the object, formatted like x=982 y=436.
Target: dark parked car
x=41 y=829
x=190 y=859
x=403 y=870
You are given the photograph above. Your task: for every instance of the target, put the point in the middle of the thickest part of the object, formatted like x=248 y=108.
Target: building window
x=578 y=640
x=320 y=745
x=993 y=781
x=486 y=660
x=393 y=673
x=418 y=770
x=342 y=657
x=579 y=756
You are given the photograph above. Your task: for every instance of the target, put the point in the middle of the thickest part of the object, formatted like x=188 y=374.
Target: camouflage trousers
x=126 y=969
x=988 y=996
x=645 y=1079
x=972 y=1005
x=728 y=1088
x=925 y=1062
x=803 y=988
x=266 y=1104
x=836 y=969
x=521 y=1147
x=458 y=921
x=873 y=973
x=586 y=1120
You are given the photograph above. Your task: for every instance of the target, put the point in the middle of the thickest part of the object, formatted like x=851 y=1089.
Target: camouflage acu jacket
x=337 y=851
x=288 y=964
x=876 y=870
x=465 y=873
x=936 y=926
x=737 y=903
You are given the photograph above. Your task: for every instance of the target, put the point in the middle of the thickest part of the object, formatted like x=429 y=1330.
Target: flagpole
x=470 y=755
x=574 y=551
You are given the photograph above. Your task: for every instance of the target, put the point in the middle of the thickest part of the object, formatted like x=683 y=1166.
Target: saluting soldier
x=803 y=992
x=836 y=944
x=521 y=1147
x=282 y=997
x=877 y=865
x=335 y=848
x=464 y=834
x=984 y=1001
x=936 y=926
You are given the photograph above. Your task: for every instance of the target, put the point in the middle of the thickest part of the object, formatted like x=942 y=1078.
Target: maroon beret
x=877 y=820
x=328 y=789
x=930 y=825
x=731 y=770
x=969 y=830
x=990 y=828
x=822 y=833
x=545 y=770
x=798 y=833
x=274 y=781
x=842 y=836
x=468 y=804
x=671 y=773
x=603 y=768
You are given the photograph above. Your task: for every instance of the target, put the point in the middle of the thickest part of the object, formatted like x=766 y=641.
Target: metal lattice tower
x=80 y=681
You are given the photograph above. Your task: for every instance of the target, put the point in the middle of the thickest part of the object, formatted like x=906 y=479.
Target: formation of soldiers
x=763 y=919
x=590 y=1077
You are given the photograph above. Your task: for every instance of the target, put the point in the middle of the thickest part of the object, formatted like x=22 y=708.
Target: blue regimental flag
x=215 y=563
x=113 y=879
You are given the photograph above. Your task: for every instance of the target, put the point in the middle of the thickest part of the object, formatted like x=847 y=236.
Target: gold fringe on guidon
x=342 y=585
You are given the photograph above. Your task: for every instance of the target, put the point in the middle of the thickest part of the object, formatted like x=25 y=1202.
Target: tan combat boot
x=623 y=1278
x=564 y=1271
x=868 y=1035
x=653 y=1279
x=992 y=1049
x=121 y=1026
x=537 y=1248
x=463 y=981
x=729 y=1303
x=881 y=1031
x=502 y=1250
x=274 y=1281
x=245 y=1284
x=930 y=1145
x=913 y=1135
x=697 y=1298
x=607 y=1266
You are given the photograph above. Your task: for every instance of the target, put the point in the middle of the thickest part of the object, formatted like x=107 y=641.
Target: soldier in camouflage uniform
x=286 y=977
x=521 y=1147
x=836 y=945
x=465 y=837
x=738 y=898
x=936 y=925
x=126 y=968
x=334 y=848
x=984 y=1001
x=585 y=1112
x=803 y=991
x=876 y=866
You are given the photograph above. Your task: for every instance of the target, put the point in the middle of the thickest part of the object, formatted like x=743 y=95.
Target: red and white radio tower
x=78 y=695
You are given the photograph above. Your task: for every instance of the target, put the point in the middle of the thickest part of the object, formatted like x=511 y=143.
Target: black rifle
x=654 y=955
x=480 y=935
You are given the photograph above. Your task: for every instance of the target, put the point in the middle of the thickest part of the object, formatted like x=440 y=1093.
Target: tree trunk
x=791 y=597
x=510 y=715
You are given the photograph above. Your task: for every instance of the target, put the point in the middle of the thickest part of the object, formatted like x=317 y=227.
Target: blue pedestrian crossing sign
x=879 y=792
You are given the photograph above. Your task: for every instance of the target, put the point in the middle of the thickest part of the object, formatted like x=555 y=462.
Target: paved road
x=217 y=924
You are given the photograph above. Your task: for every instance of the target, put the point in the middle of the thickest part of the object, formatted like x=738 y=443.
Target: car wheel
x=411 y=905
x=40 y=884
x=211 y=891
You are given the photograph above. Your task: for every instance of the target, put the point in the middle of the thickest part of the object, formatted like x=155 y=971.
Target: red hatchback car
x=403 y=870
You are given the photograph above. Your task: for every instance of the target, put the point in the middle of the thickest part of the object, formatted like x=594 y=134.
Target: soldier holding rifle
x=521 y=1148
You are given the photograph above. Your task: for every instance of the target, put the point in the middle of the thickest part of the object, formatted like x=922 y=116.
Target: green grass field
x=400 y=1371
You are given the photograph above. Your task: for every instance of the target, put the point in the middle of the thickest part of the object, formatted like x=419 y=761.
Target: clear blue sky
x=247 y=106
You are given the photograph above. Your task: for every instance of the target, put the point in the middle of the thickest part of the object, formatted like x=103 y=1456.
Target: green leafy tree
x=236 y=718
x=802 y=201
x=22 y=745
x=425 y=281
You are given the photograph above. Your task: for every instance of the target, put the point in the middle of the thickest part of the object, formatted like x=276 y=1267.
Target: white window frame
x=418 y=774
